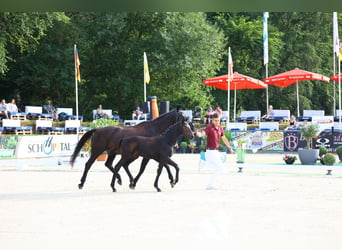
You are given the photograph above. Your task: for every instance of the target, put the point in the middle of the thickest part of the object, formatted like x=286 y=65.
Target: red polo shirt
x=213 y=136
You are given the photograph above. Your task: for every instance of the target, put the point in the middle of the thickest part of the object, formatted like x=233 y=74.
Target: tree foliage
x=183 y=49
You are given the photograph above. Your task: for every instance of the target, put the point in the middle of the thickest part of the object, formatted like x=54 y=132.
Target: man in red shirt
x=213 y=132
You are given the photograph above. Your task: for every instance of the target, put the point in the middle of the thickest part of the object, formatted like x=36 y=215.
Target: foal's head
x=186 y=129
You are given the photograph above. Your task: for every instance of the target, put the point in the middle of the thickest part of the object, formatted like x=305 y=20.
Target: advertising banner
x=46 y=145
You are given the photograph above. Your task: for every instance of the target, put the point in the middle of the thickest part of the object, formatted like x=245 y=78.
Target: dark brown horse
x=108 y=139
x=158 y=148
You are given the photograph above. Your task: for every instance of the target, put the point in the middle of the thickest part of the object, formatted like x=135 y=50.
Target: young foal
x=158 y=148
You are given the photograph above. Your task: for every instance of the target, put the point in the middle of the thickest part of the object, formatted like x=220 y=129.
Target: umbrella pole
x=234 y=101
x=297 y=99
x=266 y=87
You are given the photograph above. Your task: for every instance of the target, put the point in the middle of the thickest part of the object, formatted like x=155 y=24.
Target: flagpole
x=228 y=92
x=339 y=85
x=335 y=51
x=144 y=79
x=265 y=41
x=76 y=89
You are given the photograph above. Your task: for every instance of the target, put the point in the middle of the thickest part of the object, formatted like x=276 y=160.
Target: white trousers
x=213 y=159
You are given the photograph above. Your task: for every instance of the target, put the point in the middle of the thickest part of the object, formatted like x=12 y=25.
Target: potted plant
x=192 y=146
x=289 y=159
x=321 y=152
x=183 y=145
x=201 y=148
x=100 y=123
x=339 y=152
x=308 y=156
x=329 y=159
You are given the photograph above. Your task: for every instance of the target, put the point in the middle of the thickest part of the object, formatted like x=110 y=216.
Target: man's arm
x=226 y=142
x=200 y=133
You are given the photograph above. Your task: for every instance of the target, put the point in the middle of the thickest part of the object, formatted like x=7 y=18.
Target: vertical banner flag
x=336 y=42
x=146 y=72
x=230 y=66
x=265 y=38
x=77 y=64
x=340 y=53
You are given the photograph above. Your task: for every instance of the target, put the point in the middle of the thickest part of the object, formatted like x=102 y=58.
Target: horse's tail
x=80 y=144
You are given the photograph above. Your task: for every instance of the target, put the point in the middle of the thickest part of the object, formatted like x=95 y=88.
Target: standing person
x=218 y=111
x=214 y=132
x=209 y=114
x=3 y=109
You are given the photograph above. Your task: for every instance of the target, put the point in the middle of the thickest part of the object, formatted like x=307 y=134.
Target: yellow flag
x=77 y=64
x=146 y=73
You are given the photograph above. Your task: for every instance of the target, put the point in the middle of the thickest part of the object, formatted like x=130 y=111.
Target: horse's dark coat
x=158 y=148
x=108 y=139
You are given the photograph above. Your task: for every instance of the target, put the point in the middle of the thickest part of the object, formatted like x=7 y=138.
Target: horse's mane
x=159 y=118
x=171 y=127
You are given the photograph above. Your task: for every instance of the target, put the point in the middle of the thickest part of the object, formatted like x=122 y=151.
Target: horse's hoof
x=172 y=184
x=114 y=190
x=119 y=182
x=132 y=186
x=158 y=189
x=80 y=186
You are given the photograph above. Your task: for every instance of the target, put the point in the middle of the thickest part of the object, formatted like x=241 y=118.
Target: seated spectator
x=209 y=114
x=3 y=109
x=100 y=113
x=269 y=114
x=218 y=111
x=293 y=123
x=50 y=109
x=12 y=107
x=137 y=114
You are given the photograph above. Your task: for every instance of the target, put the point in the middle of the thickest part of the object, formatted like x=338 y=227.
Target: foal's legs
x=142 y=169
x=160 y=167
x=172 y=163
x=125 y=163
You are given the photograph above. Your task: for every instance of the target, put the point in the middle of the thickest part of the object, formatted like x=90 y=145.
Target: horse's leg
x=86 y=169
x=170 y=175
x=171 y=162
x=108 y=164
x=130 y=176
x=160 y=168
x=116 y=170
x=141 y=171
x=124 y=163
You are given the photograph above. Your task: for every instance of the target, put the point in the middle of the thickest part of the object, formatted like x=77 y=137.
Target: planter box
x=308 y=156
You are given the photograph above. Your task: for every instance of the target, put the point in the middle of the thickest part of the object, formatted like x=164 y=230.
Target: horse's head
x=186 y=128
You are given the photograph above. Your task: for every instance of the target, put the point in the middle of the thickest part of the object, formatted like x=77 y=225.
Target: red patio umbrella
x=239 y=81
x=294 y=76
x=335 y=77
